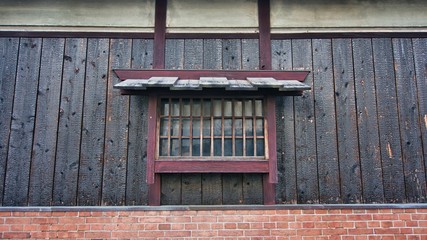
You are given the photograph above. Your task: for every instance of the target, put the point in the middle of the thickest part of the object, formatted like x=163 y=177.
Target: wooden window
x=224 y=128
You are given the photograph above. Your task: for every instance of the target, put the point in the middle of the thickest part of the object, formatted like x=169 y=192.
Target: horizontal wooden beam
x=124 y=74
x=179 y=166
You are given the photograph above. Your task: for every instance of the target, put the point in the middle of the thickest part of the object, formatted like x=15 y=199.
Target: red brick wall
x=218 y=224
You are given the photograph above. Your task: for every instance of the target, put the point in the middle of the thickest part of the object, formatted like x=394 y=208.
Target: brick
x=386 y=231
x=5 y=214
x=230 y=225
x=178 y=234
x=45 y=235
x=309 y=232
x=70 y=235
x=406 y=230
x=225 y=233
x=152 y=220
x=151 y=234
x=385 y=217
x=285 y=218
x=71 y=220
x=420 y=231
x=229 y=218
x=16 y=235
x=18 y=220
x=38 y=220
x=97 y=235
x=243 y=225
x=257 y=233
x=333 y=218
x=199 y=234
x=177 y=226
x=284 y=232
x=180 y=219
x=309 y=218
x=360 y=231
x=269 y=225
x=419 y=217
x=164 y=226
x=203 y=219
x=308 y=224
x=190 y=226
x=332 y=232
x=124 y=235
x=17 y=228
x=359 y=217
x=98 y=220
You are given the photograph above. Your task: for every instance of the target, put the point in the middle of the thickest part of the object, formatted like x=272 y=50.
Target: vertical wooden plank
x=232 y=192
x=116 y=135
x=326 y=132
x=252 y=188
x=93 y=129
x=286 y=189
x=412 y=153
x=211 y=189
x=212 y=54
x=46 y=126
x=174 y=54
x=369 y=143
x=348 y=145
x=420 y=58
x=231 y=54
x=159 y=34
x=171 y=189
x=192 y=183
x=388 y=123
x=136 y=187
x=22 y=125
x=305 y=138
x=212 y=183
x=8 y=63
x=264 y=34
x=250 y=54
x=191 y=189
x=70 y=119
x=193 y=54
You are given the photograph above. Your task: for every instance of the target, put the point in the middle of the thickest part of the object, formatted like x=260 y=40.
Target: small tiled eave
x=268 y=82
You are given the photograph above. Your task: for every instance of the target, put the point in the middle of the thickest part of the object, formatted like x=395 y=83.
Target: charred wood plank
x=46 y=128
x=369 y=142
x=22 y=125
x=116 y=136
x=326 y=132
x=93 y=128
x=70 y=123
x=348 y=145
x=407 y=100
x=388 y=122
x=8 y=65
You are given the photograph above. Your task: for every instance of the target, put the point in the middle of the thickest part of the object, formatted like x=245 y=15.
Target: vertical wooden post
x=159 y=34
x=159 y=46
x=264 y=35
x=153 y=179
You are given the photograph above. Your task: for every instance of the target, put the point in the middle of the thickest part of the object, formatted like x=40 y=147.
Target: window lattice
x=211 y=127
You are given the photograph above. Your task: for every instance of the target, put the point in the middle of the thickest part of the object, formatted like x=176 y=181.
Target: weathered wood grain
x=193 y=53
x=348 y=145
x=326 y=132
x=22 y=125
x=69 y=125
x=174 y=54
x=171 y=189
x=8 y=64
x=46 y=126
x=232 y=191
x=212 y=54
x=367 y=121
x=407 y=100
x=388 y=122
x=93 y=128
x=305 y=138
x=231 y=54
x=250 y=54
x=420 y=59
x=211 y=189
x=286 y=188
x=191 y=189
x=136 y=187
x=116 y=135
x=252 y=189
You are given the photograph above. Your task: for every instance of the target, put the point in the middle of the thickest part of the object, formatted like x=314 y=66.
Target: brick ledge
x=212 y=207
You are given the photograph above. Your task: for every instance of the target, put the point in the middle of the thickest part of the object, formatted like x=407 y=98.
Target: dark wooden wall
x=68 y=138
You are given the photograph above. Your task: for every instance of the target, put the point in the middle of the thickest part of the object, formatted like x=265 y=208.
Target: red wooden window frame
x=267 y=167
